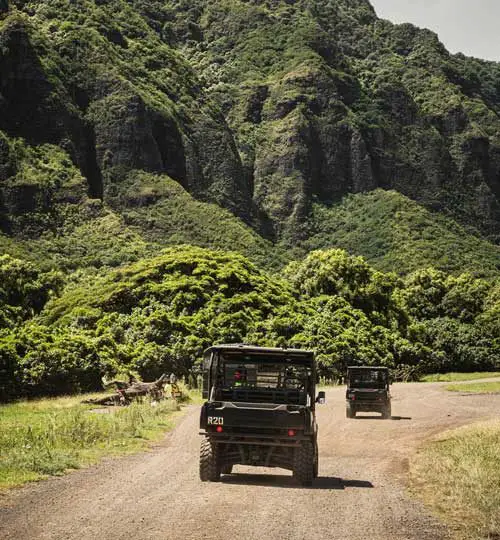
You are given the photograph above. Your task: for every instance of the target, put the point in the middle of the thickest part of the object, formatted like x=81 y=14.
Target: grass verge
x=458 y=475
x=453 y=377
x=50 y=436
x=476 y=388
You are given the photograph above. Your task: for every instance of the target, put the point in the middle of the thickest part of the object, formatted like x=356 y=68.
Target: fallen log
x=153 y=389
x=108 y=400
x=124 y=396
x=119 y=385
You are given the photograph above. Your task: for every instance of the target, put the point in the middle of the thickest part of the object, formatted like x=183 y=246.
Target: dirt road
x=157 y=495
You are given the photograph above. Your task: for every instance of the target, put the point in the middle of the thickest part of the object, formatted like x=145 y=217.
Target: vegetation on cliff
x=267 y=108
x=395 y=234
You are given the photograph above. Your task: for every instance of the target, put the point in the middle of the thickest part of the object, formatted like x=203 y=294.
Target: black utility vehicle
x=368 y=390
x=259 y=411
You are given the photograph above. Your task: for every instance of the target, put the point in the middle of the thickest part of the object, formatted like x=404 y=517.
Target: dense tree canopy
x=159 y=314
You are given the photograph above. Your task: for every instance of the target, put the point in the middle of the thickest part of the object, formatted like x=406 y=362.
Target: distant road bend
x=360 y=494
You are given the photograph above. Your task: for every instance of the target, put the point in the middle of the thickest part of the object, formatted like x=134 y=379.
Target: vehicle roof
x=240 y=347
x=381 y=368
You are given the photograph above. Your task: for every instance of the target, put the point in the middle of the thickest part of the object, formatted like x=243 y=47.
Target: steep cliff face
x=98 y=82
x=326 y=99
x=265 y=107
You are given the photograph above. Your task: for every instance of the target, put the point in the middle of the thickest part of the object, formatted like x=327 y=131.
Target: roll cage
x=242 y=373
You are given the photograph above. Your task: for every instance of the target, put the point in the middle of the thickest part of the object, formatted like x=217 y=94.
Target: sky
x=467 y=26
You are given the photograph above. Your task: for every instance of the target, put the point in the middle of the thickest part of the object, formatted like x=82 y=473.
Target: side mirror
x=321 y=399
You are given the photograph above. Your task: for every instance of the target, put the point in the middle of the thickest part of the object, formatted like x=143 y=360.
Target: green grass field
x=458 y=476
x=50 y=436
x=476 y=388
x=454 y=377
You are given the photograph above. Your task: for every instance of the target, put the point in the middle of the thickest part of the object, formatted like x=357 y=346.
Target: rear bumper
x=256 y=439
x=367 y=405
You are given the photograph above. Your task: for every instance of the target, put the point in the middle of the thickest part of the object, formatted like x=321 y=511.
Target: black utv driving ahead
x=368 y=390
x=259 y=411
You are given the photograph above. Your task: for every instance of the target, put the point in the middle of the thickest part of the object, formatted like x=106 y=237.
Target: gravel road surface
x=156 y=495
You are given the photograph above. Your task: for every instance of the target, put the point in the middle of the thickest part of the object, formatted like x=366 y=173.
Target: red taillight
x=291 y=433
x=219 y=429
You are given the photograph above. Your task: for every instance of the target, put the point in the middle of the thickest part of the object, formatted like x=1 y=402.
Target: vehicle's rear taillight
x=291 y=433
x=352 y=396
x=219 y=429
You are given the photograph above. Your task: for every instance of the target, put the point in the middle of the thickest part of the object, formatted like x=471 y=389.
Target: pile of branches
x=127 y=392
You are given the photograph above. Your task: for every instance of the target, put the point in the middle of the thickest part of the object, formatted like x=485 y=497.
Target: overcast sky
x=468 y=26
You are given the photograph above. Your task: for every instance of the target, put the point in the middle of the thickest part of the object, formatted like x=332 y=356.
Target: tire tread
x=303 y=467
x=209 y=466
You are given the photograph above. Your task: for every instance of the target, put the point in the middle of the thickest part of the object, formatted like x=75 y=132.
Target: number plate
x=215 y=420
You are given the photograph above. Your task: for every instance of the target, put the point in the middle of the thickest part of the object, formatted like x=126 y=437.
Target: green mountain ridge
x=266 y=108
x=325 y=99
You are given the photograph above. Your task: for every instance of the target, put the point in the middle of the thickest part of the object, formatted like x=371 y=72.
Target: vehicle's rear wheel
x=303 y=463
x=386 y=412
x=226 y=469
x=209 y=462
x=316 y=460
x=350 y=411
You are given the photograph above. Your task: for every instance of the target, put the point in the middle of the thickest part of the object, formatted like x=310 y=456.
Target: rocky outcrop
x=131 y=135
x=351 y=104
x=29 y=107
x=108 y=128
x=35 y=105
x=213 y=165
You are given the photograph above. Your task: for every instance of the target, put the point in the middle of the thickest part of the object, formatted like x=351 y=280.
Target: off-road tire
x=226 y=469
x=209 y=462
x=316 y=460
x=386 y=412
x=350 y=412
x=303 y=463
